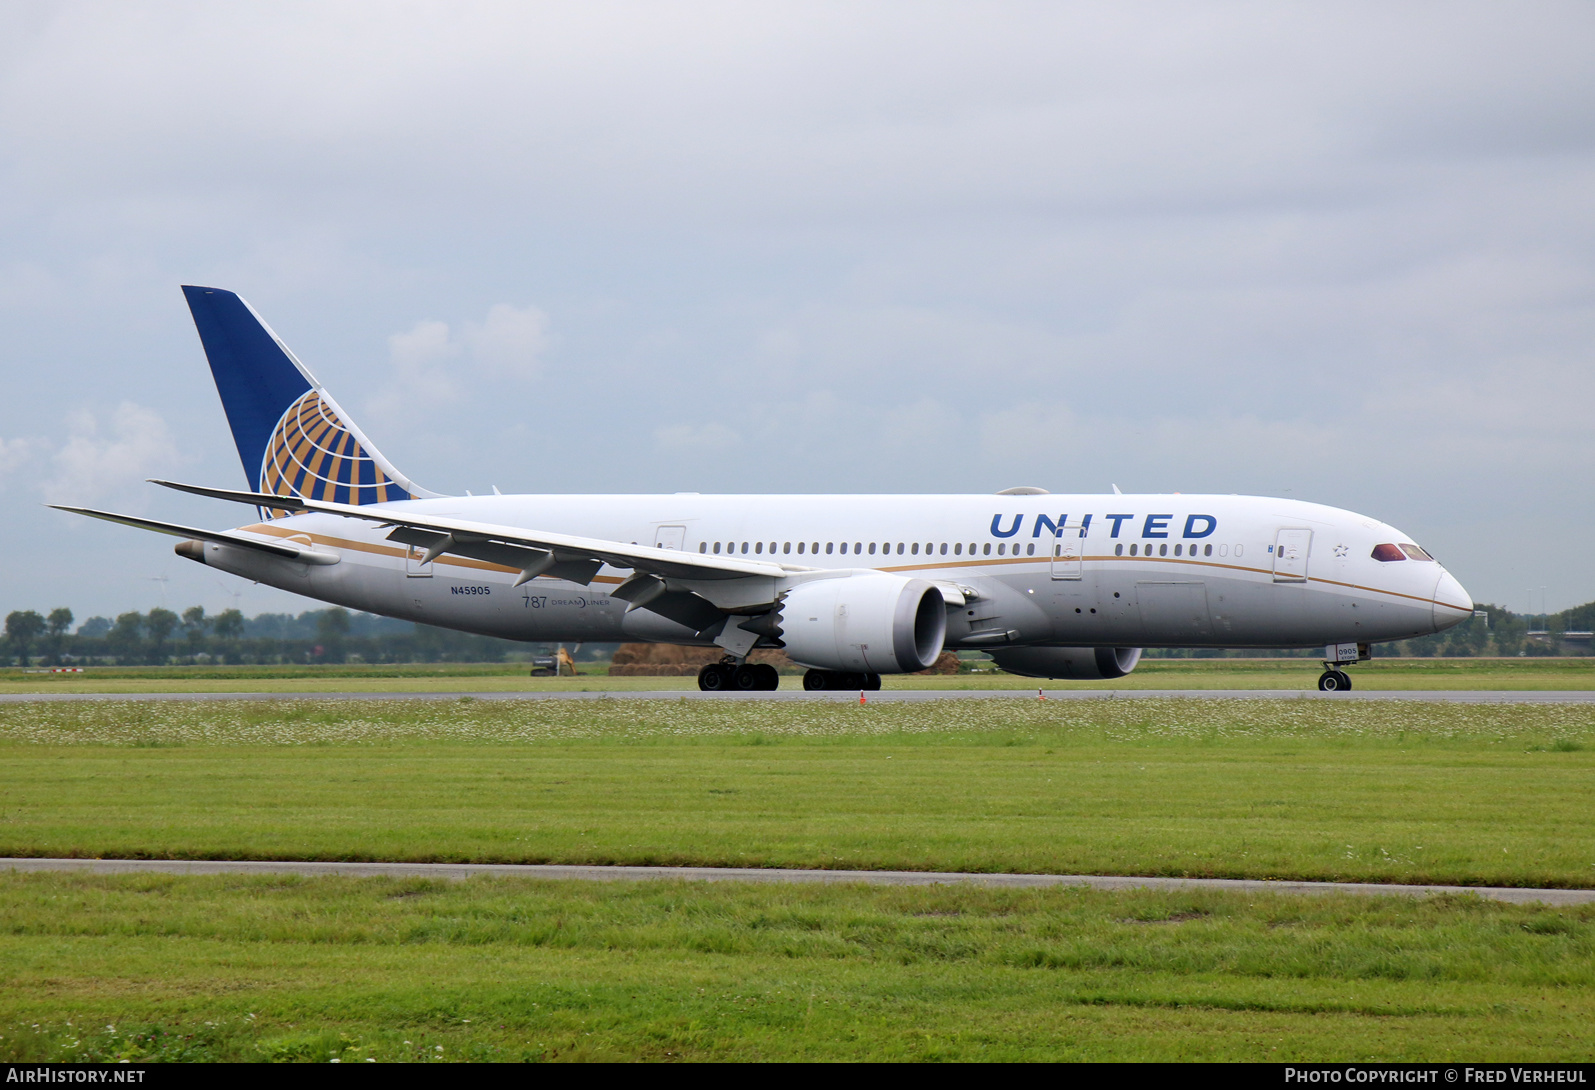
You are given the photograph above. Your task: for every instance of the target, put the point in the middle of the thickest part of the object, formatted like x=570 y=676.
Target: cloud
x=711 y=438
x=431 y=364
x=421 y=376
x=102 y=457
x=14 y=454
x=509 y=343
x=1346 y=250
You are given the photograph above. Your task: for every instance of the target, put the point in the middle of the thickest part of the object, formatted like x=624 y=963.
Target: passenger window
x=758 y=546
x=1163 y=550
x=786 y=547
x=987 y=549
x=814 y=547
x=1387 y=553
x=944 y=548
x=703 y=546
x=915 y=549
x=829 y=545
x=800 y=548
x=1239 y=549
x=1030 y=550
x=1001 y=547
x=958 y=548
x=1413 y=551
x=1118 y=550
x=1132 y=550
x=858 y=547
x=1176 y=550
x=872 y=548
x=1207 y=550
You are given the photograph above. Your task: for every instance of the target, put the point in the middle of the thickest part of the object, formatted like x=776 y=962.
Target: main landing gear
x=820 y=680
x=725 y=677
x=1334 y=681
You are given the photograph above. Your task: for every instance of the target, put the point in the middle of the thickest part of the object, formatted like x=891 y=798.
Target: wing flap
x=463 y=534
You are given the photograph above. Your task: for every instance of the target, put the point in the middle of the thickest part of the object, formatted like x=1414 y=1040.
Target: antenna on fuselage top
x=1116 y=491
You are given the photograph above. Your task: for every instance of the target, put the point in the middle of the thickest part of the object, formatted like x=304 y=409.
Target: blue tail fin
x=292 y=437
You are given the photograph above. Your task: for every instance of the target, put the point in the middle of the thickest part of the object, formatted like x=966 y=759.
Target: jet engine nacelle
x=1071 y=663
x=877 y=624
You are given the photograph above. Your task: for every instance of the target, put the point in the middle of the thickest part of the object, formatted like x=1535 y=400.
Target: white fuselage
x=1151 y=570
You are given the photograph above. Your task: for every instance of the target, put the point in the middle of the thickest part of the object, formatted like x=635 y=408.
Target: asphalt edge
x=889 y=696
x=564 y=872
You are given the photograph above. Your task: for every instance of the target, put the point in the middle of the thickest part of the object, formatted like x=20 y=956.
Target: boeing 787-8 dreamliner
x=851 y=586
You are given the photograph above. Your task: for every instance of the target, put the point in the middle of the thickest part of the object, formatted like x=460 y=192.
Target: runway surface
x=460 y=871
x=899 y=696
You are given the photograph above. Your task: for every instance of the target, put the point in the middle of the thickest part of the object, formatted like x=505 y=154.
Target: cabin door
x=670 y=537
x=1290 y=555
x=1068 y=551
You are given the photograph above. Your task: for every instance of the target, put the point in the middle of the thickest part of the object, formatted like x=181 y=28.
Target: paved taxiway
x=458 y=871
x=889 y=696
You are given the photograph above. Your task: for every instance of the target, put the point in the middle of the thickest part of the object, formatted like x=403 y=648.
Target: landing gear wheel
x=769 y=678
x=1333 y=681
x=1345 y=680
x=714 y=678
x=747 y=679
x=822 y=680
x=872 y=682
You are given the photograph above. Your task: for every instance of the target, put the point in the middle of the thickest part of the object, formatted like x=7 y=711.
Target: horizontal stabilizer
x=288 y=550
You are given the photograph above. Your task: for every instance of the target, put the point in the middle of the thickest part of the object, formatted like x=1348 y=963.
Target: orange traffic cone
x=861 y=699
x=1040 y=695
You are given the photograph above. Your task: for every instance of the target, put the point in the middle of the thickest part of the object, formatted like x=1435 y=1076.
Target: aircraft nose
x=1452 y=604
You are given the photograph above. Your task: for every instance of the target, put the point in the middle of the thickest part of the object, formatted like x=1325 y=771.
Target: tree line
x=194 y=637
x=162 y=637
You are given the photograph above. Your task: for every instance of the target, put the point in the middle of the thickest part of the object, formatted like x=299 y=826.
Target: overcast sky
x=1338 y=252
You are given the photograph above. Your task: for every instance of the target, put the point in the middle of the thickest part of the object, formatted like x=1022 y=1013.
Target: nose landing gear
x=1334 y=681
x=1336 y=655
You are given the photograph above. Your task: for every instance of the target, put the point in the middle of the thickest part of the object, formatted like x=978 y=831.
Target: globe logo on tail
x=313 y=454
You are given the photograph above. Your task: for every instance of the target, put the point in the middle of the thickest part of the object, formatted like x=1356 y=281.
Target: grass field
x=159 y=967
x=283 y=968
x=1230 y=788
x=1381 y=674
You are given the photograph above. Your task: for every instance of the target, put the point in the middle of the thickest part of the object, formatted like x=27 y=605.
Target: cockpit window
x=1413 y=551
x=1388 y=553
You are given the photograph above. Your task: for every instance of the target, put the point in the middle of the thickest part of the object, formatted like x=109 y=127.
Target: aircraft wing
x=287 y=549
x=535 y=552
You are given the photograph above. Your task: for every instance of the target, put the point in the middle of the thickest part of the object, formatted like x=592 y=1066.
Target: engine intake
x=1071 y=663
x=878 y=624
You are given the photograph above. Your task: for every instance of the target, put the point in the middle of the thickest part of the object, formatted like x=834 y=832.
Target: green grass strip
x=1424 y=793
x=155 y=967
